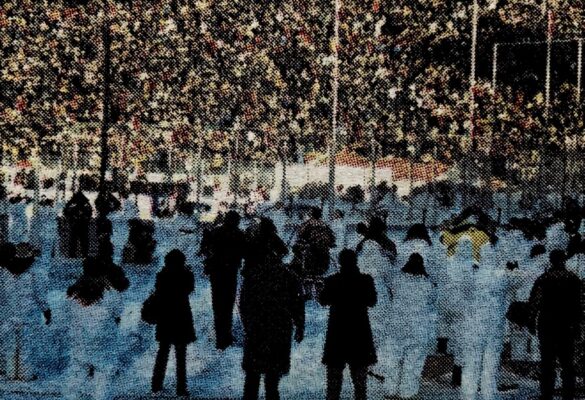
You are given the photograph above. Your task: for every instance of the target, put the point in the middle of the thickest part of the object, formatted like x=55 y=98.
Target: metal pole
x=106 y=102
x=548 y=61
x=495 y=69
x=579 y=68
x=198 y=174
x=333 y=137
x=472 y=79
x=373 y=167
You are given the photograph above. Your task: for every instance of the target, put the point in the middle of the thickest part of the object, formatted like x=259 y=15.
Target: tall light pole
x=333 y=134
x=106 y=101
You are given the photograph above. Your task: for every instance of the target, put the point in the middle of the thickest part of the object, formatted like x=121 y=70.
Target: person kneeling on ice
x=411 y=328
x=349 y=340
x=94 y=316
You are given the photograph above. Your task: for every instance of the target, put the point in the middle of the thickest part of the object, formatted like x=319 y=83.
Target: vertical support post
x=548 y=61
x=579 y=68
x=106 y=101
x=373 y=159
x=333 y=135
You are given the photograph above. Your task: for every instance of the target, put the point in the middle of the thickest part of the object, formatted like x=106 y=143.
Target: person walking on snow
x=411 y=328
x=223 y=249
x=349 y=294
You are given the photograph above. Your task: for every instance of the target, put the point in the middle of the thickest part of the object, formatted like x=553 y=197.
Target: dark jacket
x=555 y=303
x=349 y=335
x=270 y=305
x=223 y=249
x=174 y=284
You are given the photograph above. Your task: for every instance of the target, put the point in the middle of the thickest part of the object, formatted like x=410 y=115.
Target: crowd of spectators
x=211 y=71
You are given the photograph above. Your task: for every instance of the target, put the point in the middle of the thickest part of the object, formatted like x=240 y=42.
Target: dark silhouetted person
x=376 y=231
x=271 y=305
x=316 y=239
x=556 y=307
x=349 y=338
x=223 y=249
x=78 y=213
x=174 y=325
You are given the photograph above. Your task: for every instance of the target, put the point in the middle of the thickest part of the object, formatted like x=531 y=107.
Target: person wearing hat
x=556 y=315
x=349 y=340
x=411 y=328
x=24 y=301
x=94 y=316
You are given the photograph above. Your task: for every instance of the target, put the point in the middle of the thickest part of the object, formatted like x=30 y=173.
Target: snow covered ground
x=212 y=373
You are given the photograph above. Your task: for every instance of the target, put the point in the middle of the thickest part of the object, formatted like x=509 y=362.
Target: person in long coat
x=349 y=339
x=174 y=325
x=556 y=315
x=223 y=249
x=78 y=213
x=271 y=305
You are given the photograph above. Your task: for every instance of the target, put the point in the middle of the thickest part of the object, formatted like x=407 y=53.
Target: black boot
x=456 y=377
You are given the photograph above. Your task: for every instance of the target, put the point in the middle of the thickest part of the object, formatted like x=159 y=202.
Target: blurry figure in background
x=23 y=301
x=18 y=231
x=349 y=340
x=488 y=296
x=94 y=315
x=271 y=304
x=338 y=226
x=43 y=226
x=223 y=249
x=314 y=240
x=174 y=320
x=557 y=311
x=78 y=213
x=524 y=345
x=454 y=300
x=557 y=238
x=417 y=240
x=411 y=328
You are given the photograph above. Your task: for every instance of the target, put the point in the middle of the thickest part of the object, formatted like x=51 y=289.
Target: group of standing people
x=388 y=305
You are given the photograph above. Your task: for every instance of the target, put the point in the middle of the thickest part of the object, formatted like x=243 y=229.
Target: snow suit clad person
x=411 y=328
x=23 y=300
x=488 y=294
x=223 y=249
x=349 y=340
x=94 y=314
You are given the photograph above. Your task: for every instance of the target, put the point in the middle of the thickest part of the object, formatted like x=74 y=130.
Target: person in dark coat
x=271 y=305
x=349 y=339
x=78 y=213
x=555 y=302
x=174 y=326
x=223 y=249
x=316 y=239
